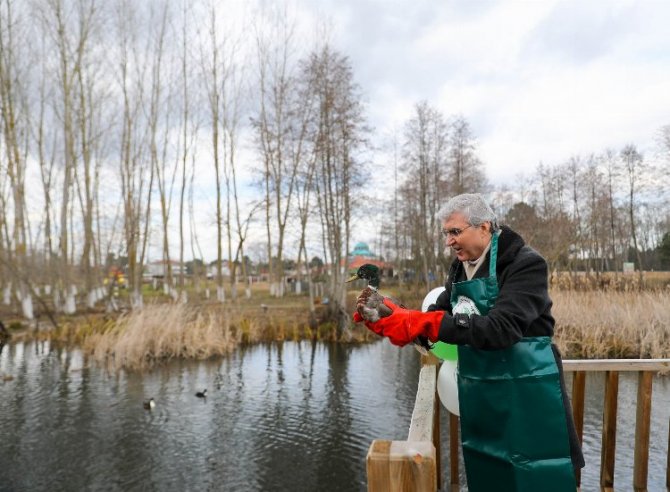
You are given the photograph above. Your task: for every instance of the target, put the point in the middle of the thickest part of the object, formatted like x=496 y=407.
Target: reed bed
x=601 y=325
x=161 y=332
x=589 y=324
x=610 y=281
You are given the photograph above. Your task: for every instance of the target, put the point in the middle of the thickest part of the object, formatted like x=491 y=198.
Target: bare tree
x=136 y=178
x=633 y=164
x=339 y=135
x=281 y=126
x=466 y=169
x=425 y=157
x=596 y=214
x=45 y=147
x=185 y=147
x=159 y=114
x=552 y=210
x=188 y=137
x=89 y=132
x=573 y=169
x=610 y=164
x=14 y=121
x=212 y=79
x=224 y=80
x=71 y=32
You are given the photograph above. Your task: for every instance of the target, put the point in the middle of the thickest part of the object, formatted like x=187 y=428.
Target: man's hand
x=404 y=325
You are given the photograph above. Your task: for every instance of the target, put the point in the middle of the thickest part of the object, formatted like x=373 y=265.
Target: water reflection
x=292 y=416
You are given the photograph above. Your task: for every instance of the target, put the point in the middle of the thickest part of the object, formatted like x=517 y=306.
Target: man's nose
x=451 y=240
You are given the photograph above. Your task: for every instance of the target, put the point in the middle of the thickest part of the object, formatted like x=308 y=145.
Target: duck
x=202 y=394
x=375 y=308
x=149 y=404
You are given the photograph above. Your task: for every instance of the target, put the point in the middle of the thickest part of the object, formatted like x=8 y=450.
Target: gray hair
x=473 y=206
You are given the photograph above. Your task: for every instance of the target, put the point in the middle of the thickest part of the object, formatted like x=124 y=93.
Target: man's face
x=467 y=241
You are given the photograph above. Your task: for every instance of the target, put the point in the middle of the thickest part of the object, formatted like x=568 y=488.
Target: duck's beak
x=353 y=277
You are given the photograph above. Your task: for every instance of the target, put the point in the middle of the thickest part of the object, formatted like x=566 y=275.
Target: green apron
x=513 y=424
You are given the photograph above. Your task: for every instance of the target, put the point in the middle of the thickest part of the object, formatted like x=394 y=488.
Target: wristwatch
x=462 y=320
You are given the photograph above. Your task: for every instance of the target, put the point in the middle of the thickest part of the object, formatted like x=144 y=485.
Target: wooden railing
x=414 y=464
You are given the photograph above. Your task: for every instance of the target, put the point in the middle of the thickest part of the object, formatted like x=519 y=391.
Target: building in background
x=361 y=254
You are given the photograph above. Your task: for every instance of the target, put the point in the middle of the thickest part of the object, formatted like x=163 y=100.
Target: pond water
x=292 y=416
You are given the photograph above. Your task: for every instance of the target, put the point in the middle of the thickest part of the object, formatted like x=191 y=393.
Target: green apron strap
x=494 y=254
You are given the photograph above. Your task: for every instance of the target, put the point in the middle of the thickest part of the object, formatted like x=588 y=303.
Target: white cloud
x=539 y=81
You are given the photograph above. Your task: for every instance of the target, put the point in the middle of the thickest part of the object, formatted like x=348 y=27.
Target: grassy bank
x=589 y=324
x=163 y=331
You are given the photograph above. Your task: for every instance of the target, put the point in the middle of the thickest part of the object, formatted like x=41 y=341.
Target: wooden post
x=609 y=430
x=454 y=448
x=401 y=466
x=642 y=428
x=578 y=385
x=378 y=465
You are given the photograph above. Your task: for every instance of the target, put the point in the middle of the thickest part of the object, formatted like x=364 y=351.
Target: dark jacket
x=522 y=309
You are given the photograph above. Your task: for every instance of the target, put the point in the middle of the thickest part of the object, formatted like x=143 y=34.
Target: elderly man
x=516 y=424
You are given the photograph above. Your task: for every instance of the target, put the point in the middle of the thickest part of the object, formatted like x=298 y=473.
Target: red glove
x=405 y=325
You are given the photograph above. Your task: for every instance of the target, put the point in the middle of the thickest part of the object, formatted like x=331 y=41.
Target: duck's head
x=368 y=272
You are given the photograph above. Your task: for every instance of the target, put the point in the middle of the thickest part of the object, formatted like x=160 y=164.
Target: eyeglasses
x=453 y=232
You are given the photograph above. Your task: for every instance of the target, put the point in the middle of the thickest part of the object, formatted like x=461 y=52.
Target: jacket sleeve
x=522 y=298
x=442 y=303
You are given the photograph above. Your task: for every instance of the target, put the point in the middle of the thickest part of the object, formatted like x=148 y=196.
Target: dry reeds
x=610 y=281
x=589 y=324
x=612 y=324
x=160 y=332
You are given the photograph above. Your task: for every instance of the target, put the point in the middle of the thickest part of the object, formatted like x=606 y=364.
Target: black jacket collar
x=509 y=245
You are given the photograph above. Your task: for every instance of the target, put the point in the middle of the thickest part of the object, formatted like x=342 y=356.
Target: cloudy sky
x=538 y=80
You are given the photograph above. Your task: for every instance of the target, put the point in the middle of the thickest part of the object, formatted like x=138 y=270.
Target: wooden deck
x=415 y=464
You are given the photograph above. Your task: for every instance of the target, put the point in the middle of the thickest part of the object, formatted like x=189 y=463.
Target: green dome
x=362 y=249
